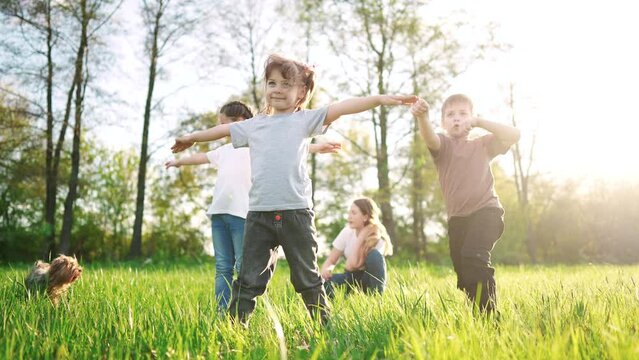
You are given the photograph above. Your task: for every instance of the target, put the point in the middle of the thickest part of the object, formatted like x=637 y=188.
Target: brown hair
x=368 y=207
x=291 y=70
x=236 y=109
x=456 y=98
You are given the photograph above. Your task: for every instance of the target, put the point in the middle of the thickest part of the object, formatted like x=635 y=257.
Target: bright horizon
x=571 y=63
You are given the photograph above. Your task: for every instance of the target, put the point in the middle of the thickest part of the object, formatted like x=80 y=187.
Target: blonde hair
x=291 y=70
x=368 y=207
x=456 y=98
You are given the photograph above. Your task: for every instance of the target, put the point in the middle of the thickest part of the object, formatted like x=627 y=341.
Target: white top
x=233 y=182
x=346 y=242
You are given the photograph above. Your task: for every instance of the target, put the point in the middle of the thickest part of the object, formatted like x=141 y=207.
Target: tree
x=38 y=16
x=21 y=190
x=165 y=23
x=375 y=42
x=90 y=17
x=522 y=164
x=245 y=33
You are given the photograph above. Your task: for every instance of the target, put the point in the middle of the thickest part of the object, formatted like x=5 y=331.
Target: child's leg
x=236 y=227
x=374 y=275
x=338 y=280
x=256 y=272
x=457 y=230
x=298 y=239
x=224 y=260
x=484 y=229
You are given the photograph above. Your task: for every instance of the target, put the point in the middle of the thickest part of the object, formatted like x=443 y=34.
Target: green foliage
x=341 y=179
x=172 y=230
x=511 y=248
x=167 y=310
x=21 y=188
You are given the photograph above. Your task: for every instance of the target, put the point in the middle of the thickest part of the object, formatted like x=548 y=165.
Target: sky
x=574 y=68
x=573 y=65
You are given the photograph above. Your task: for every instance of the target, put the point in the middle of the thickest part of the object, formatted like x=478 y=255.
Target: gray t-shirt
x=278 y=145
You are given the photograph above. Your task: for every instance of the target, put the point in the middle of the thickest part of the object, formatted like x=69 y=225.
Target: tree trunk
x=417 y=194
x=67 y=220
x=136 y=243
x=50 y=175
x=384 y=195
x=521 y=182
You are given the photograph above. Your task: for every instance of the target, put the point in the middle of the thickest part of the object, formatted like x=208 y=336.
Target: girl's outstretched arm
x=217 y=132
x=324 y=148
x=361 y=104
x=195 y=159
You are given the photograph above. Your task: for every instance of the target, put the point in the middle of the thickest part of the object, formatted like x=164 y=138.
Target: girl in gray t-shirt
x=279 y=201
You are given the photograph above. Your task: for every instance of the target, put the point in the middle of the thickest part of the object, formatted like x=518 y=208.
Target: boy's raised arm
x=217 y=132
x=360 y=104
x=507 y=134
x=420 y=113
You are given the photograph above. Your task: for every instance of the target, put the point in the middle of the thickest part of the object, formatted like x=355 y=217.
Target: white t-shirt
x=346 y=242
x=231 y=195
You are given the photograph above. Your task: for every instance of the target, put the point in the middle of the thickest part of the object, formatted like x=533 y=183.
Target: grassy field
x=167 y=311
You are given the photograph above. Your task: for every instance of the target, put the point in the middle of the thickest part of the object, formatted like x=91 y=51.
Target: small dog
x=56 y=277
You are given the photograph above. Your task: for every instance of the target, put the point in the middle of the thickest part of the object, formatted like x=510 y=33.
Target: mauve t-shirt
x=464 y=173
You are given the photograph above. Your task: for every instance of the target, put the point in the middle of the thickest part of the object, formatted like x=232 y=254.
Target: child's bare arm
x=184 y=142
x=420 y=113
x=327 y=147
x=507 y=134
x=329 y=264
x=361 y=104
x=195 y=159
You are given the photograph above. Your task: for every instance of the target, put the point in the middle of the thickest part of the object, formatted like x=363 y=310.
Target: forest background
x=92 y=93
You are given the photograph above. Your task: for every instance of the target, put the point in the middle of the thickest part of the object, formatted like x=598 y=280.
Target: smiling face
x=283 y=95
x=356 y=218
x=456 y=118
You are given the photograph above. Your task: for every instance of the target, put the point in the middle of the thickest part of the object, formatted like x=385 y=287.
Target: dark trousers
x=472 y=238
x=265 y=232
x=372 y=279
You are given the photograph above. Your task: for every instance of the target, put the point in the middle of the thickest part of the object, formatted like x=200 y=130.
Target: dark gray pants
x=471 y=239
x=265 y=231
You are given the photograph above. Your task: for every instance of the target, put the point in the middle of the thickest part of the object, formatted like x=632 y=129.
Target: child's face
x=356 y=219
x=283 y=94
x=223 y=119
x=457 y=119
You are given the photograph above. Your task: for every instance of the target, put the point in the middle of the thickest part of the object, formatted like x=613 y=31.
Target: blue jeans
x=228 y=238
x=371 y=279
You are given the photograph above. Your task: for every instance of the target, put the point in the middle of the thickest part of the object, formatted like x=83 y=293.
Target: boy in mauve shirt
x=475 y=215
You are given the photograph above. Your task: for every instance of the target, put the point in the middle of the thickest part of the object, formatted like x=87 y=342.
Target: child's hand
x=397 y=99
x=326 y=274
x=329 y=147
x=368 y=230
x=171 y=163
x=182 y=143
x=419 y=108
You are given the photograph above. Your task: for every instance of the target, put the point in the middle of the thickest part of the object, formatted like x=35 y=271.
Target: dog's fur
x=55 y=278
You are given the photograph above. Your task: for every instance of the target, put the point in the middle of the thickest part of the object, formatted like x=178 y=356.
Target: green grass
x=167 y=311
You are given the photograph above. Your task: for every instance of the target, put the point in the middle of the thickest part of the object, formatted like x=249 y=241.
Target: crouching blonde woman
x=363 y=242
